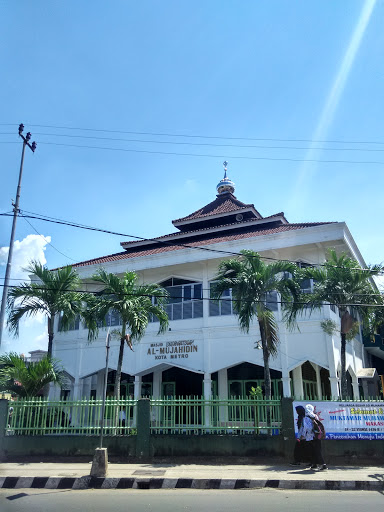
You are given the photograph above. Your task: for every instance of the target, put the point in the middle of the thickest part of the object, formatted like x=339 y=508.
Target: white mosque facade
x=204 y=353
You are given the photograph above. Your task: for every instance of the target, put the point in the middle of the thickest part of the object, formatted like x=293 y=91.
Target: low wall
x=211 y=445
x=66 y=446
x=145 y=445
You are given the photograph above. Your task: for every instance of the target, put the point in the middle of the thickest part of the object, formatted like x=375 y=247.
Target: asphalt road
x=264 y=500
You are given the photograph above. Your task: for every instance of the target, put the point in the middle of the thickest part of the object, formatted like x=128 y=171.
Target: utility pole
x=15 y=205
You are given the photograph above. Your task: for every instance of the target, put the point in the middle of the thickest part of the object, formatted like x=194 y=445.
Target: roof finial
x=225 y=185
x=225 y=163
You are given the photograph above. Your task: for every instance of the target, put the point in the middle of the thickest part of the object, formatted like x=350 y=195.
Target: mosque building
x=204 y=353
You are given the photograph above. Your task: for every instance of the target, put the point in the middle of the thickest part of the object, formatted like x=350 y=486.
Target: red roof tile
x=198 y=240
x=224 y=203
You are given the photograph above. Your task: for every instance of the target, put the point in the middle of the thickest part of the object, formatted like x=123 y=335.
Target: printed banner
x=348 y=420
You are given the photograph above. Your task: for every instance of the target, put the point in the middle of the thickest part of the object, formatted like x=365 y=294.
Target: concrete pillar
x=287 y=426
x=100 y=463
x=207 y=385
x=222 y=384
x=3 y=425
x=298 y=389
x=143 y=438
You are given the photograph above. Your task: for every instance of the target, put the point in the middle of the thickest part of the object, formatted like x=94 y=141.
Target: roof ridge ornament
x=225 y=185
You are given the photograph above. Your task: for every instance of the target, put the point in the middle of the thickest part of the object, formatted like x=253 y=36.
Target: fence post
x=287 y=426
x=3 y=425
x=143 y=448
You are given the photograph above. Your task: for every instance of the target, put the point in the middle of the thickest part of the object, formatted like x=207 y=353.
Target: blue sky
x=278 y=70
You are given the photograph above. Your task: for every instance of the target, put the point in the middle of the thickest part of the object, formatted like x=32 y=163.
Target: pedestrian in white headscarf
x=314 y=433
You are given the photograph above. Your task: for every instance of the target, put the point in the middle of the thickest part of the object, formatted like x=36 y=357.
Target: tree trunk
x=119 y=364
x=51 y=325
x=343 y=380
x=267 y=374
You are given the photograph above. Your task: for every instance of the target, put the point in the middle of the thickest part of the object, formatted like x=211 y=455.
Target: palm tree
x=134 y=303
x=251 y=280
x=49 y=292
x=340 y=282
x=27 y=380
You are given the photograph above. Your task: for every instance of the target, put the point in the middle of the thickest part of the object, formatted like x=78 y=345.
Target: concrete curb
x=88 y=482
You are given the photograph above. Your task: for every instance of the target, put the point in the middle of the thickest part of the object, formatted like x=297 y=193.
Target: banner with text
x=348 y=420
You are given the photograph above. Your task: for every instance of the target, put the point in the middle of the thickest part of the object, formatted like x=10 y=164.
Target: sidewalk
x=61 y=475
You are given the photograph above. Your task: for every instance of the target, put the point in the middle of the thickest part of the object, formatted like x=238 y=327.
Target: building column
x=87 y=388
x=54 y=392
x=207 y=390
x=137 y=396
x=298 y=389
x=100 y=378
x=156 y=394
x=156 y=385
x=355 y=387
x=334 y=381
x=222 y=385
x=205 y=294
x=137 y=388
x=318 y=381
x=286 y=386
x=77 y=389
x=285 y=379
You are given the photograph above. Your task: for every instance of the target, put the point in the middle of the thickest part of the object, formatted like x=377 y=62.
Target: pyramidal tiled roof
x=203 y=239
x=224 y=203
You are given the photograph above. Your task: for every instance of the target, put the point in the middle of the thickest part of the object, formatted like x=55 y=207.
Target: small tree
x=341 y=282
x=251 y=279
x=134 y=303
x=51 y=293
x=27 y=380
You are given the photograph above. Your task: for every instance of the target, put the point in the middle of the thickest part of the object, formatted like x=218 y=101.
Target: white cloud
x=32 y=247
x=41 y=341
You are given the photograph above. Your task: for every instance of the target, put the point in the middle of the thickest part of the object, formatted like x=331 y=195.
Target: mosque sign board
x=171 y=351
x=348 y=420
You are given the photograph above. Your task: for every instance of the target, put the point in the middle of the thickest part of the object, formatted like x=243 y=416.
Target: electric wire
x=164 y=134
x=202 y=155
x=49 y=243
x=145 y=141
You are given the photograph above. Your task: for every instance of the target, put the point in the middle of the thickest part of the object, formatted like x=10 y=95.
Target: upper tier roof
x=226 y=205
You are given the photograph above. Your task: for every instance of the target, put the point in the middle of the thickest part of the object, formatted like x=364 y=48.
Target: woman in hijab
x=311 y=432
x=300 y=450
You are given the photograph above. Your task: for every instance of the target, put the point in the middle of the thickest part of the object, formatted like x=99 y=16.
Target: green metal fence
x=196 y=415
x=83 y=417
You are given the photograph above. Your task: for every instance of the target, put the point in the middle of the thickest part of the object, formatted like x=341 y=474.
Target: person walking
x=300 y=452
x=314 y=432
